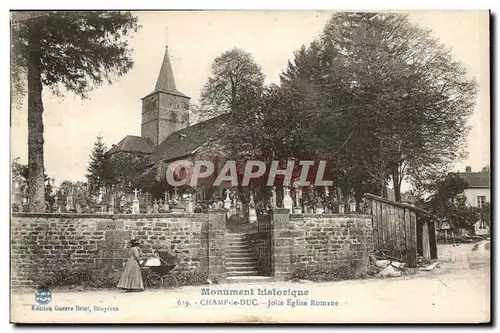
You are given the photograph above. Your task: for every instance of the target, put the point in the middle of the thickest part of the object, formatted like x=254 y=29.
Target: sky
x=195 y=39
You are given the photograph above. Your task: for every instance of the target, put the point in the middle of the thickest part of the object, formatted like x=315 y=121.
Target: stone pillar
x=281 y=244
x=216 y=244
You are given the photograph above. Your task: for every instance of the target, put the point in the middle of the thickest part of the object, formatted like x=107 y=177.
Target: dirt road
x=457 y=291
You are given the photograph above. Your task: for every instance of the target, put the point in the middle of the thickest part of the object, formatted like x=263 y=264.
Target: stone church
x=166 y=132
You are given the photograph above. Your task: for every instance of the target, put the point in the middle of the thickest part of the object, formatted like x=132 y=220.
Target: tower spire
x=166 y=80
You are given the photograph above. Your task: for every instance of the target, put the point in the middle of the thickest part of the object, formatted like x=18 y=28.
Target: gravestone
x=166 y=205
x=135 y=203
x=149 y=208
x=176 y=205
x=287 y=200
x=69 y=201
x=227 y=201
x=78 y=208
x=189 y=204
x=111 y=208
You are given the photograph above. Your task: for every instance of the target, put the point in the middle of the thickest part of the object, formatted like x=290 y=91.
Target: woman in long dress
x=131 y=279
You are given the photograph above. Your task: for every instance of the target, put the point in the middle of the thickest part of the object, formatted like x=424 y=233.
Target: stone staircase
x=240 y=259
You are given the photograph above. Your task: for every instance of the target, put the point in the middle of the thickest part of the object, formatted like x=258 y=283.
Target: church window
x=173 y=116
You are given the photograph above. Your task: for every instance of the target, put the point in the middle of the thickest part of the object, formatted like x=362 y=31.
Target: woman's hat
x=134 y=241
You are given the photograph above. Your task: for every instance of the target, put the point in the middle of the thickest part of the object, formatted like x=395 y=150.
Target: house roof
x=185 y=141
x=476 y=179
x=135 y=144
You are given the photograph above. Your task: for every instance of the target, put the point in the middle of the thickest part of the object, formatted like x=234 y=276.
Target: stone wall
x=42 y=243
x=314 y=240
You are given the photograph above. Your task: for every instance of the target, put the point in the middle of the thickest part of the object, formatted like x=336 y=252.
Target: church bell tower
x=165 y=110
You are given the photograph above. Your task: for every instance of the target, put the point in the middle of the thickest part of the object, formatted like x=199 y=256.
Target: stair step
x=241 y=268
x=240 y=258
x=240 y=262
x=243 y=265
x=238 y=249
x=249 y=279
x=240 y=254
x=243 y=273
x=237 y=246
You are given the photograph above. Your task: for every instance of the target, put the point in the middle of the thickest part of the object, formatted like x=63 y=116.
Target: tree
x=77 y=51
x=420 y=99
x=97 y=169
x=332 y=124
x=389 y=96
x=447 y=201
x=486 y=169
x=236 y=88
x=235 y=75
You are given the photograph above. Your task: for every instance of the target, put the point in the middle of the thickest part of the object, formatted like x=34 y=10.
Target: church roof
x=166 y=80
x=132 y=143
x=476 y=179
x=185 y=141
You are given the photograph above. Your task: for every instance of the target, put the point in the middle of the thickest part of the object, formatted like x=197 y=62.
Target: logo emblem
x=43 y=296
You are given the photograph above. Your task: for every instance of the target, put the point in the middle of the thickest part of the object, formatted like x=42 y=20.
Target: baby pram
x=159 y=272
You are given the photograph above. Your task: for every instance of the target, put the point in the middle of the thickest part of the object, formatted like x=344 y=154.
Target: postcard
x=250 y=167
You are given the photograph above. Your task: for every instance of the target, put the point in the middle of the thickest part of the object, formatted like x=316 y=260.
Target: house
x=477 y=193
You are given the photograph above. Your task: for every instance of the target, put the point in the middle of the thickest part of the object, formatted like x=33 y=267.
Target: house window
x=481 y=200
x=482 y=225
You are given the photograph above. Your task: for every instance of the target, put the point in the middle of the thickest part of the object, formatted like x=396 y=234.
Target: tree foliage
x=124 y=171
x=97 y=171
x=78 y=50
x=448 y=202
x=235 y=76
x=388 y=99
x=72 y=50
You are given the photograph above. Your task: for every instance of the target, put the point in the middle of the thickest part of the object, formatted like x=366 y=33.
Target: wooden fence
x=401 y=230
